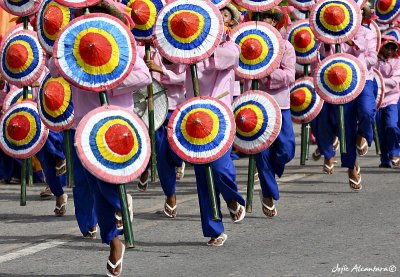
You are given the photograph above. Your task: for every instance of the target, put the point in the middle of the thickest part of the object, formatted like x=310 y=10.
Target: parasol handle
x=342 y=129
x=195 y=80
x=128 y=231
x=304 y=142
x=376 y=139
x=68 y=158
x=150 y=110
x=30 y=172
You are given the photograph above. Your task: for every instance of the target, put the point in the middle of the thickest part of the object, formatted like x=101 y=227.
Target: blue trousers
x=224 y=174
x=95 y=201
x=273 y=160
x=9 y=167
x=389 y=133
x=366 y=111
x=52 y=150
x=398 y=109
x=167 y=160
x=324 y=128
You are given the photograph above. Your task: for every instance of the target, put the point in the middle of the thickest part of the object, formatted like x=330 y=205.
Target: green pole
x=209 y=177
x=128 y=231
x=68 y=158
x=342 y=129
x=376 y=139
x=30 y=172
x=150 y=104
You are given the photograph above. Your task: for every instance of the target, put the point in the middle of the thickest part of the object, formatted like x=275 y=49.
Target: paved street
x=322 y=229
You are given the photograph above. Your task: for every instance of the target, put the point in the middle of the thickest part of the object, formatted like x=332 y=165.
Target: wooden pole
x=68 y=158
x=342 y=129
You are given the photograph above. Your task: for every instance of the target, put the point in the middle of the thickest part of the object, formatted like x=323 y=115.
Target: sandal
x=363 y=149
x=336 y=144
x=15 y=181
x=61 y=169
x=235 y=212
x=316 y=155
x=91 y=234
x=169 y=211
x=142 y=186
x=61 y=208
x=114 y=266
x=46 y=192
x=180 y=171
x=120 y=224
x=256 y=178
x=328 y=168
x=356 y=184
x=218 y=241
x=266 y=208
x=395 y=162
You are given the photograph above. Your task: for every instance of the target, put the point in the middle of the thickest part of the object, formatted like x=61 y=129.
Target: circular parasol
x=335 y=21
x=258 y=121
x=13 y=30
x=387 y=10
x=302 y=5
x=22 y=133
x=360 y=3
x=257 y=5
x=299 y=68
x=144 y=13
x=77 y=3
x=375 y=28
x=15 y=96
x=242 y=10
x=22 y=58
x=52 y=17
x=305 y=103
x=140 y=99
x=220 y=3
x=188 y=31
x=303 y=41
x=392 y=31
x=298 y=15
x=262 y=48
x=201 y=130
x=22 y=7
x=55 y=103
x=113 y=144
x=339 y=78
x=95 y=52
x=380 y=84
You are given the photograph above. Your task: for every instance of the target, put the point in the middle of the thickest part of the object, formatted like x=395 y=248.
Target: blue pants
x=224 y=174
x=398 y=110
x=273 y=160
x=167 y=160
x=52 y=150
x=366 y=111
x=324 y=128
x=389 y=133
x=95 y=201
x=9 y=167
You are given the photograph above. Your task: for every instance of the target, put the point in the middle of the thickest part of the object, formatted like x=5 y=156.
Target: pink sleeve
x=138 y=78
x=359 y=41
x=371 y=56
x=141 y=51
x=173 y=74
x=325 y=53
x=285 y=75
x=53 y=68
x=226 y=56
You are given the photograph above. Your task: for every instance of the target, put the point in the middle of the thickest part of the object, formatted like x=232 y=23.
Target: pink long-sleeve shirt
x=172 y=79
x=278 y=82
x=85 y=101
x=390 y=70
x=216 y=74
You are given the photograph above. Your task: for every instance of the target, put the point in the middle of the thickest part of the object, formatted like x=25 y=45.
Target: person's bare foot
x=217 y=241
x=143 y=181
x=236 y=211
x=117 y=249
x=329 y=165
x=355 y=177
x=61 y=205
x=170 y=206
x=362 y=145
x=268 y=207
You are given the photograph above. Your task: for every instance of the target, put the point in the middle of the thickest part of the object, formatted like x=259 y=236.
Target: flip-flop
x=362 y=148
x=180 y=171
x=130 y=208
x=267 y=207
x=61 y=169
x=235 y=212
x=172 y=209
x=114 y=266
x=316 y=155
x=223 y=237
x=328 y=169
x=142 y=186
x=61 y=210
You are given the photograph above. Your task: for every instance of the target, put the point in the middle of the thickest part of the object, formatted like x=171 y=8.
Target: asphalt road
x=322 y=229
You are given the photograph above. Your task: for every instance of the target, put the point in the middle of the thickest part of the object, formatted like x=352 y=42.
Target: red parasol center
x=17 y=56
x=199 y=125
x=251 y=49
x=246 y=120
x=384 y=5
x=18 y=127
x=95 y=49
x=140 y=12
x=302 y=38
x=337 y=75
x=52 y=20
x=185 y=24
x=54 y=95
x=119 y=139
x=298 y=98
x=334 y=15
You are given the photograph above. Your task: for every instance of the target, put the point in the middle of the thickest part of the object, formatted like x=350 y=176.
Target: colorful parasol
x=392 y=31
x=375 y=28
x=13 y=30
x=95 y=52
x=22 y=133
x=22 y=7
x=140 y=99
x=262 y=48
x=201 y=130
x=302 y=5
x=258 y=121
x=339 y=78
x=335 y=21
x=22 y=58
x=55 y=103
x=387 y=10
x=257 y=5
x=360 y=3
x=78 y=3
x=298 y=15
x=113 y=144
x=144 y=13
x=299 y=68
x=305 y=103
x=220 y=3
x=14 y=96
x=242 y=10
x=380 y=85
x=303 y=41
x=52 y=17
x=188 y=31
